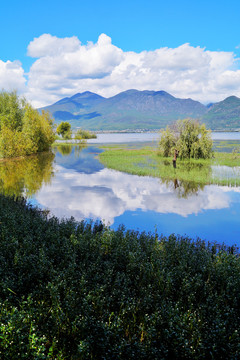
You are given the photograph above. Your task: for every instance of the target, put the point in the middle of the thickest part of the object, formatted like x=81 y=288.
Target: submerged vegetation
x=74 y=290
x=23 y=131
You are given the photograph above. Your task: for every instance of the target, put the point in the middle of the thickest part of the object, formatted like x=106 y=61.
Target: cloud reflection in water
x=107 y=194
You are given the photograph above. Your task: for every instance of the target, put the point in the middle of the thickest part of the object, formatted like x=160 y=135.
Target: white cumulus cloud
x=12 y=76
x=48 y=45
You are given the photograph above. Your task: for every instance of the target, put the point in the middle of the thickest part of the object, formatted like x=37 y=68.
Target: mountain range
x=133 y=109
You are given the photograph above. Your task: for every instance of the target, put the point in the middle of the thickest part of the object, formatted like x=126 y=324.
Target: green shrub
x=23 y=131
x=84 y=134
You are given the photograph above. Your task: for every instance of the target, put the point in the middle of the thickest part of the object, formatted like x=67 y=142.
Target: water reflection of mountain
x=79 y=158
x=27 y=175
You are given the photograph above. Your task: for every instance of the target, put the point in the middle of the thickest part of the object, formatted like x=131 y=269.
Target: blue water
x=83 y=188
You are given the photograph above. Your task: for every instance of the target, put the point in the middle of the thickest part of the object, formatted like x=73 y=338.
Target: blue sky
x=133 y=26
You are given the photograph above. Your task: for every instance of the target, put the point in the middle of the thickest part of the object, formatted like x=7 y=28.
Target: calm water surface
x=75 y=183
x=143 y=137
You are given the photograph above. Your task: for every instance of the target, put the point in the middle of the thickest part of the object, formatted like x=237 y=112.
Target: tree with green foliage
x=23 y=130
x=191 y=139
x=11 y=110
x=64 y=129
x=167 y=142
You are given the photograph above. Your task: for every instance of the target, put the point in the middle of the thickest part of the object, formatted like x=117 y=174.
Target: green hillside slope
x=224 y=115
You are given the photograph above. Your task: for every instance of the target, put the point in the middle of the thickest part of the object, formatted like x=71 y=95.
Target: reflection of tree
x=78 y=149
x=26 y=176
x=66 y=150
x=184 y=188
x=187 y=188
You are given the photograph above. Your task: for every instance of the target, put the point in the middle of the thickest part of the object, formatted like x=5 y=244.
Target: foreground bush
x=73 y=290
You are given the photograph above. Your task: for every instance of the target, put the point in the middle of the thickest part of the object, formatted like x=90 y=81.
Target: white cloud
x=64 y=66
x=12 y=76
x=48 y=45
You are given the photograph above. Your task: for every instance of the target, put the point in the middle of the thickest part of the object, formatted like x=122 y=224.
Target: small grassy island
x=147 y=162
x=195 y=161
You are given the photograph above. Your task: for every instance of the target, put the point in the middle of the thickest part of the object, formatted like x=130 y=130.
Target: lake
x=151 y=137
x=73 y=182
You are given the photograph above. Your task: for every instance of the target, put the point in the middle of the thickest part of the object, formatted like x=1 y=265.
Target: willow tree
x=191 y=139
x=23 y=130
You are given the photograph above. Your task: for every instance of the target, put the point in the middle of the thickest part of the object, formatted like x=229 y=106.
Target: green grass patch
x=69 y=142
x=146 y=162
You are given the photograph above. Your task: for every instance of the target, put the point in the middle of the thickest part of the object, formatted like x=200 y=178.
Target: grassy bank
x=72 y=142
x=73 y=290
x=147 y=162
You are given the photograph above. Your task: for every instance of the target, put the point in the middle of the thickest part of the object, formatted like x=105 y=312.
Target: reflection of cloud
x=108 y=194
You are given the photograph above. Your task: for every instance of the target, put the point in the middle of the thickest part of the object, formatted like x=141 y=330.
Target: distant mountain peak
x=86 y=94
x=232 y=97
x=145 y=92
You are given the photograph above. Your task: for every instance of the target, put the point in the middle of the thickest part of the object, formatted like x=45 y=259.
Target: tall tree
x=191 y=140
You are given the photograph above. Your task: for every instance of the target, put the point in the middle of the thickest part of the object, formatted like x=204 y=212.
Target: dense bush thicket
x=192 y=140
x=23 y=131
x=73 y=290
